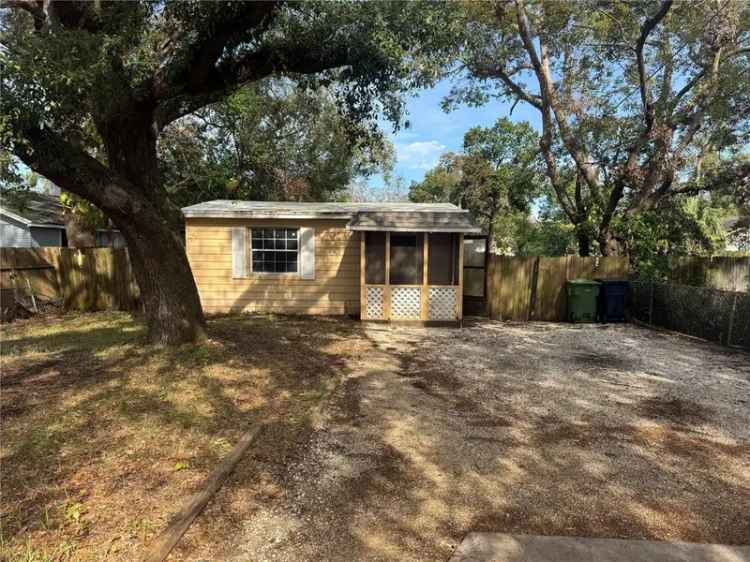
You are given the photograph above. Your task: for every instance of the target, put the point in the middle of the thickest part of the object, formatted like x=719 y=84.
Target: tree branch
x=648 y=27
x=71 y=168
x=550 y=101
x=500 y=72
x=189 y=66
x=733 y=175
x=184 y=98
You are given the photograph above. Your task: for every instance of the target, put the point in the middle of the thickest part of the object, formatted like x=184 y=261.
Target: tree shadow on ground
x=440 y=433
x=95 y=417
x=433 y=434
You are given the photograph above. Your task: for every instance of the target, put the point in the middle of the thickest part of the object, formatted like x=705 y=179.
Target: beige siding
x=335 y=289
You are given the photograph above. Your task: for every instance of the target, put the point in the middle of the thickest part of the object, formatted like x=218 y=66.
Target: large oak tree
x=77 y=76
x=632 y=96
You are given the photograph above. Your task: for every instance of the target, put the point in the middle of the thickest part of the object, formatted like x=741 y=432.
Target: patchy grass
x=105 y=436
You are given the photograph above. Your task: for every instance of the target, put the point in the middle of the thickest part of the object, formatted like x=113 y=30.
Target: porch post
x=460 y=296
x=387 y=291
x=425 y=289
x=362 y=269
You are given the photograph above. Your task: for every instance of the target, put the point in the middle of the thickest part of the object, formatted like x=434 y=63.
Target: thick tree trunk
x=609 y=245
x=79 y=234
x=170 y=297
x=154 y=235
x=584 y=242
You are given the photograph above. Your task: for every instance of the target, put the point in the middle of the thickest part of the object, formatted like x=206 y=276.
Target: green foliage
x=269 y=141
x=10 y=176
x=635 y=98
x=688 y=226
x=84 y=213
x=497 y=176
x=550 y=234
x=66 y=76
x=442 y=183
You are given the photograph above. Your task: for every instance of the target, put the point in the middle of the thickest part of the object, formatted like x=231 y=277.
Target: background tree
x=631 y=95
x=271 y=140
x=686 y=226
x=77 y=75
x=496 y=177
x=442 y=183
x=549 y=233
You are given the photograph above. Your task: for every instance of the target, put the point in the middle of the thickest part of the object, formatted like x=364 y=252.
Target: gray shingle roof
x=424 y=221
x=416 y=217
x=32 y=207
x=283 y=209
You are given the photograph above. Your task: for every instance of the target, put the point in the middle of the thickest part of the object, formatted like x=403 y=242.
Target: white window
x=275 y=250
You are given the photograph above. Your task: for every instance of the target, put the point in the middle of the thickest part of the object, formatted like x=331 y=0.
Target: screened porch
x=411 y=276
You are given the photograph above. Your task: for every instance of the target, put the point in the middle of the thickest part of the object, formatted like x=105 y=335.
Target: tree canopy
x=632 y=96
x=496 y=176
x=271 y=140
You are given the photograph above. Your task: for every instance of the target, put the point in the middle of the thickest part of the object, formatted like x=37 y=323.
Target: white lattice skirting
x=442 y=303
x=405 y=303
x=375 y=303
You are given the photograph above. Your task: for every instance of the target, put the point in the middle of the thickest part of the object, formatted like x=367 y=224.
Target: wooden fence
x=82 y=279
x=533 y=288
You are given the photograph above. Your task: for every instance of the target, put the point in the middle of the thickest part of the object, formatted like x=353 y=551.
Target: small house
x=378 y=261
x=31 y=219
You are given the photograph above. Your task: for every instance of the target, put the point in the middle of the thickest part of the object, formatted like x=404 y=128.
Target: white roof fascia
x=15 y=217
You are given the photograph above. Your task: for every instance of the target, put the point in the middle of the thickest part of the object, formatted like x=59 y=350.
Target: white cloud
x=421 y=155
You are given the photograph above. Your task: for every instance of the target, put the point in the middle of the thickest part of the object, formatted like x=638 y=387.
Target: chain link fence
x=711 y=314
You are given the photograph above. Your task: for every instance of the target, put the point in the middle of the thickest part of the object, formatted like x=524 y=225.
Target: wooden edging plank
x=181 y=521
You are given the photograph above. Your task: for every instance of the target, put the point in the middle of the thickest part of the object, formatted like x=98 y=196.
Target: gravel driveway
x=552 y=429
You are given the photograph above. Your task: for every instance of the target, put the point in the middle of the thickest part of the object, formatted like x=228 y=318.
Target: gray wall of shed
x=14 y=234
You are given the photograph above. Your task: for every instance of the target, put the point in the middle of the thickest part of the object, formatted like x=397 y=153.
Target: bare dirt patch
x=536 y=428
x=675 y=410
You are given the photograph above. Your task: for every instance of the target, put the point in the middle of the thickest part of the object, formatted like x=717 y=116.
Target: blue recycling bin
x=613 y=298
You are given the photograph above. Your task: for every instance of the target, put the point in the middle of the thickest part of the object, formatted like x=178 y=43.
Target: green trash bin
x=583 y=295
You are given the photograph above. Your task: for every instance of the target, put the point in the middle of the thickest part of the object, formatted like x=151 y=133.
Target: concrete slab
x=499 y=547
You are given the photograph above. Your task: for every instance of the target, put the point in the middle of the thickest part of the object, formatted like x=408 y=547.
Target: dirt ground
x=381 y=442
x=599 y=431
x=104 y=436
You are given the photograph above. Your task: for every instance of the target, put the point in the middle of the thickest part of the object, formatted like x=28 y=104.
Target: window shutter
x=239 y=253
x=306 y=253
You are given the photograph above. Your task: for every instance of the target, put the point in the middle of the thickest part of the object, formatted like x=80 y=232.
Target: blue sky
x=434 y=132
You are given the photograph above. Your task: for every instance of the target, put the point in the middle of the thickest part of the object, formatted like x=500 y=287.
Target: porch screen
x=406 y=259
x=443 y=256
x=375 y=258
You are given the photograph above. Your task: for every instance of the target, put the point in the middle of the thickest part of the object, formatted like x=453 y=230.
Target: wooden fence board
x=28 y=267
x=550 y=299
x=720 y=272
x=84 y=279
x=509 y=287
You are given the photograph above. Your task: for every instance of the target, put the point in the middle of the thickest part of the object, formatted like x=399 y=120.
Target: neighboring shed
x=382 y=261
x=30 y=219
